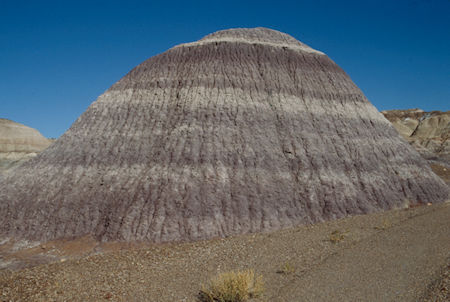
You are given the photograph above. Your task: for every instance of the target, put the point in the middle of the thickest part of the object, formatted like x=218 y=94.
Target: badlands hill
x=245 y=130
x=428 y=132
x=18 y=143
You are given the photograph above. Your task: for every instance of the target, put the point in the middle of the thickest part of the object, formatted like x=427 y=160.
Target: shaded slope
x=246 y=130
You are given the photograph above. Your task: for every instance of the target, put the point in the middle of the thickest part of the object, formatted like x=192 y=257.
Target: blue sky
x=57 y=57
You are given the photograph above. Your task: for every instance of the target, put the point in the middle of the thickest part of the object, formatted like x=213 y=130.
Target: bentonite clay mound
x=246 y=130
x=18 y=143
x=428 y=132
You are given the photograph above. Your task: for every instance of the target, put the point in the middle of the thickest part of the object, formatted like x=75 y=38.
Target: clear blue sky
x=57 y=57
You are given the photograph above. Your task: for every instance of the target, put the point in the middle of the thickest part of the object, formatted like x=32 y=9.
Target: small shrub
x=287 y=269
x=237 y=286
x=337 y=236
x=385 y=225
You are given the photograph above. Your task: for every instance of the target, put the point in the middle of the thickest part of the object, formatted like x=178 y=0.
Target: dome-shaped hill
x=18 y=143
x=246 y=130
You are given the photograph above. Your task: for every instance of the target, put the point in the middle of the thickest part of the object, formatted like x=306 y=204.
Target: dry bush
x=287 y=269
x=337 y=236
x=237 y=286
x=384 y=226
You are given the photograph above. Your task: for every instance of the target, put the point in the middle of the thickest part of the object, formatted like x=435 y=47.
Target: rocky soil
x=398 y=255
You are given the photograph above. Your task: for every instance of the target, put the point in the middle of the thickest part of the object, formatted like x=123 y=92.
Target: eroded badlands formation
x=18 y=143
x=246 y=130
x=428 y=132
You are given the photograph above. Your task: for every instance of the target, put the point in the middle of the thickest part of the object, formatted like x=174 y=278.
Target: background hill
x=18 y=143
x=428 y=133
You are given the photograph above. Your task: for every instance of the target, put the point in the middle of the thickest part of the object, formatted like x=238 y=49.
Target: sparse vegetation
x=385 y=225
x=233 y=286
x=286 y=269
x=337 y=236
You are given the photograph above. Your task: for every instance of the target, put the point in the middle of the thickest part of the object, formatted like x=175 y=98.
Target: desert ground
x=398 y=255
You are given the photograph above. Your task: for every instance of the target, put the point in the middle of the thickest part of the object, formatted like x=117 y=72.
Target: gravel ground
x=439 y=290
x=397 y=255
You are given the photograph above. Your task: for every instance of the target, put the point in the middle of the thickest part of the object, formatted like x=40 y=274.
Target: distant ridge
x=246 y=130
x=428 y=132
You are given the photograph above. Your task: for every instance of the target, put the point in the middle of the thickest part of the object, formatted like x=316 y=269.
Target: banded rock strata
x=246 y=130
x=18 y=143
x=428 y=132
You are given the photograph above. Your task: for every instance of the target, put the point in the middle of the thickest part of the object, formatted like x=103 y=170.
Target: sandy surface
x=400 y=255
x=393 y=265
